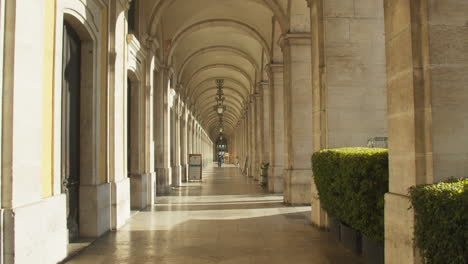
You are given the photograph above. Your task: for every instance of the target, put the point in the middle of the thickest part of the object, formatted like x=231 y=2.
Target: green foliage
x=441 y=229
x=351 y=183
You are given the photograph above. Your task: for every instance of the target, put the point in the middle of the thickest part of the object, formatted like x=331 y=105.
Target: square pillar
x=276 y=125
x=427 y=60
x=162 y=132
x=297 y=117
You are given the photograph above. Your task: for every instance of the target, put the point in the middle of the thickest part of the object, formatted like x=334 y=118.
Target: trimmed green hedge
x=441 y=229
x=351 y=183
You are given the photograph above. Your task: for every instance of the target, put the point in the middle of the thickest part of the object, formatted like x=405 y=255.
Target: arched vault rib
x=247 y=29
x=227 y=88
x=212 y=126
x=161 y=6
x=233 y=50
x=218 y=66
x=212 y=118
x=231 y=108
x=230 y=100
x=211 y=121
x=211 y=83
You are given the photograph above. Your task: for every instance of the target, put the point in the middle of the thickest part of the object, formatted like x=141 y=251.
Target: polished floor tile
x=225 y=219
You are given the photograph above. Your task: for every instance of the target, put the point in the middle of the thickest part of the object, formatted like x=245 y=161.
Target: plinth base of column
x=95 y=209
x=152 y=188
x=176 y=176
x=399 y=230
x=276 y=179
x=318 y=217
x=35 y=233
x=120 y=197
x=163 y=186
x=256 y=173
x=249 y=172
x=139 y=187
x=297 y=186
x=185 y=173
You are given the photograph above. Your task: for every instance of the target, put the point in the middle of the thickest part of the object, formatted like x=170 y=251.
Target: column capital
x=125 y=4
x=150 y=42
x=260 y=87
x=295 y=39
x=252 y=98
x=274 y=68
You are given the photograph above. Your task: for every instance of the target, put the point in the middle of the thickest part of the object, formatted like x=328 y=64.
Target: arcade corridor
x=108 y=107
x=226 y=219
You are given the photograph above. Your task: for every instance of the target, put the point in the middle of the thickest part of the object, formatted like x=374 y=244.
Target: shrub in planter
x=351 y=238
x=441 y=227
x=373 y=250
x=335 y=227
x=351 y=183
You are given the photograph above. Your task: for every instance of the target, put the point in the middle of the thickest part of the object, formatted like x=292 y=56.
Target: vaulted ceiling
x=205 y=40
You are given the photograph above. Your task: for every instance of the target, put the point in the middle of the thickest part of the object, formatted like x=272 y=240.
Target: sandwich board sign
x=195 y=167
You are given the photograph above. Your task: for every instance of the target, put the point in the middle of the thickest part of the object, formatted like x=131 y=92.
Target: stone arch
x=225 y=88
x=230 y=49
x=160 y=7
x=245 y=89
x=84 y=19
x=246 y=29
x=234 y=108
x=217 y=66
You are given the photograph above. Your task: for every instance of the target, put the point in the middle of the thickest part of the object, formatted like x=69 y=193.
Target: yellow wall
x=104 y=49
x=48 y=99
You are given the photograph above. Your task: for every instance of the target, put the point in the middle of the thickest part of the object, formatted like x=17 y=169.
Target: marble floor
x=226 y=219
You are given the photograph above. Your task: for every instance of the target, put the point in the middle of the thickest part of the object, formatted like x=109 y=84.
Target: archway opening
x=133 y=138
x=71 y=127
x=78 y=130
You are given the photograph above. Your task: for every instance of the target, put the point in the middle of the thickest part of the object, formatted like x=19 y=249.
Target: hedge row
x=351 y=183
x=441 y=229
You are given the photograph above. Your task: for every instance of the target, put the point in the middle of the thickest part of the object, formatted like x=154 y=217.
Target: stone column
x=264 y=121
x=298 y=117
x=138 y=171
x=162 y=132
x=120 y=183
x=176 y=168
x=184 y=140
x=318 y=216
x=195 y=137
x=253 y=133
x=250 y=138
x=427 y=61
x=276 y=124
x=247 y=140
x=243 y=141
x=258 y=106
x=192 y=134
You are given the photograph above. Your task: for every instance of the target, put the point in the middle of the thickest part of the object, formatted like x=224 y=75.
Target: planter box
x=351 y=238
x=335 y=229
x=373 y=251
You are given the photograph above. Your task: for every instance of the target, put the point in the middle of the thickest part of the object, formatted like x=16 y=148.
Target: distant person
x=219 y=161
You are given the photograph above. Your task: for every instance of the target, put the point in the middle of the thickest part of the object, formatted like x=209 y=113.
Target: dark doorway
x=71 y=84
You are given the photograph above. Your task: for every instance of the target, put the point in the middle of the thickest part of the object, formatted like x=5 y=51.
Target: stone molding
x=295 y=39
